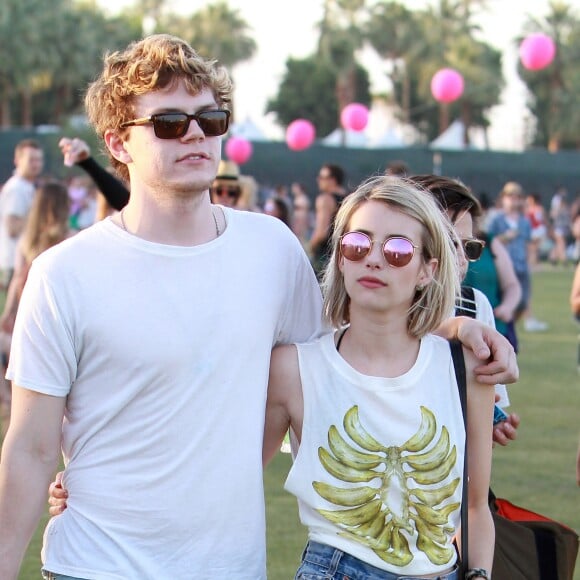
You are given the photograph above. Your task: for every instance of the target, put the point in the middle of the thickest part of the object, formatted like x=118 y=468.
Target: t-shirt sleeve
x=42 y=357
x=484 y=310
x=485 y=315
x=302 y=319
x=494 y=228
x=15 y=203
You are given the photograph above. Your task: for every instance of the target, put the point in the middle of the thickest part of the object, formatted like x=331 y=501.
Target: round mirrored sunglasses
x=397 y=250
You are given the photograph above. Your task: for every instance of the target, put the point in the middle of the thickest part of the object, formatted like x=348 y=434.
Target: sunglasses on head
x=230 y=191
x=397 y=250
x=213 y=122
x=472 y=248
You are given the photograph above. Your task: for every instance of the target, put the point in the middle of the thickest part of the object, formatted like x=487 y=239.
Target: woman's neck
x=379 y=348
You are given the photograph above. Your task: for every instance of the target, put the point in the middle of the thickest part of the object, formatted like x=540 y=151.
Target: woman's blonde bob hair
x=432 y=304
x=154 y=63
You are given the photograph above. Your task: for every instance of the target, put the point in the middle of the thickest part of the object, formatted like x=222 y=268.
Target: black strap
x=460 y=374
x=340 y=339
x=466 y=305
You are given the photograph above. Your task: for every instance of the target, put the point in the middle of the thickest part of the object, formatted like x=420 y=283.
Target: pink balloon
x=300 y=134
x=447 y=85
x=354 y=117
x=537 y=51
x=239 y=150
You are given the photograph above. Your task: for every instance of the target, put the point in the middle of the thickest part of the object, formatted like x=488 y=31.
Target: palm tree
x=418 y=43
x=394 y=32
x=341 y=35
x=19 y=66
x=554 y=90
x=221 y=33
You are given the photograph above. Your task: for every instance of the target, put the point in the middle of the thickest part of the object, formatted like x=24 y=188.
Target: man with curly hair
x=132 y=333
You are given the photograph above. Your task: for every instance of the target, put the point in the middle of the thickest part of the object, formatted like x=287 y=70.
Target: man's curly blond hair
x=154 y=63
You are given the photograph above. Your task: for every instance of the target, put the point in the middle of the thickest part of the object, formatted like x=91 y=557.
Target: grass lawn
x=537 y=471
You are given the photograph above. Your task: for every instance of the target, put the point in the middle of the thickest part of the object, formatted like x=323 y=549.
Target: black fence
x=272 y=164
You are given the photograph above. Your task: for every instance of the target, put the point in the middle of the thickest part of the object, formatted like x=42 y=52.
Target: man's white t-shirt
x=15 y=200
x=163 y=354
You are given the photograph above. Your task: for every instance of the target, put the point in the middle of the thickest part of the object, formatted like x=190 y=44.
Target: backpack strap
x=465 y=305
x=461 y=375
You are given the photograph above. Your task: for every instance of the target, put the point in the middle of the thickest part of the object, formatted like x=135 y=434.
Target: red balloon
x=447 y=85
x=300 y=134
x=355 y=117
x=537 y=51
x=239 y=150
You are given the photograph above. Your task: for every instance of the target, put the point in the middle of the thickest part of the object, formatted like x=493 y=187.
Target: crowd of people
x=149 y=298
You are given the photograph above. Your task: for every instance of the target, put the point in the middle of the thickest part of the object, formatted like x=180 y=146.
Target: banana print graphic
x=376 y=514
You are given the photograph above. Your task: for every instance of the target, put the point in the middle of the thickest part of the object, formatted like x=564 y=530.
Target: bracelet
x=477 y=573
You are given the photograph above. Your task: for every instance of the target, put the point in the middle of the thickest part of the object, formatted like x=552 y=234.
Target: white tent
x=247 y=130
x=452 y=138
x=352 y=139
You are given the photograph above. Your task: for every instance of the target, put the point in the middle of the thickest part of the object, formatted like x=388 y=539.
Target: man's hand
x=57 y=496
x=489 y=345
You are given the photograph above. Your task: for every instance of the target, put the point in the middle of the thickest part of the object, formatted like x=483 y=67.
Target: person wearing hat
x=226 y=188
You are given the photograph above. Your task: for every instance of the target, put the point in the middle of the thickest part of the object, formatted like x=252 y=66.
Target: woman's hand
x=57 y=496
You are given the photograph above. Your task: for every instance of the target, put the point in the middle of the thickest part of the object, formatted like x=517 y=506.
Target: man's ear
x=116 y=146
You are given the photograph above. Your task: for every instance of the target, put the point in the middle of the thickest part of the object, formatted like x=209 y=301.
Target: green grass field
x=537 y=471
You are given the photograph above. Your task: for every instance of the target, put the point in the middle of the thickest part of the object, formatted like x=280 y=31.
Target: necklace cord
x=217 y=229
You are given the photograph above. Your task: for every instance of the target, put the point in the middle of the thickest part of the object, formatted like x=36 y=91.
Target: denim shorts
x=52 y=576
x=322 y=562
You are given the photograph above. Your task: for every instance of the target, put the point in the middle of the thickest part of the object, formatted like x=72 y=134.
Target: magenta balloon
x=239 y=150
x=447 y=85
x=537 y=51
x=300 y=134
x=354 y=117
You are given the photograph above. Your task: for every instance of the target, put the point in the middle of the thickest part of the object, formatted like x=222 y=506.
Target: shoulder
x=16 y=185
x=483 y=308
x=471 y=363
x=265 y=232
x=284 y=356
x=479 y=296
x=284 y=368
x=250 y=220
x=497 y=221
x=438 y=345
x=10 y=184
x=325 y=201
x=73 y=246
